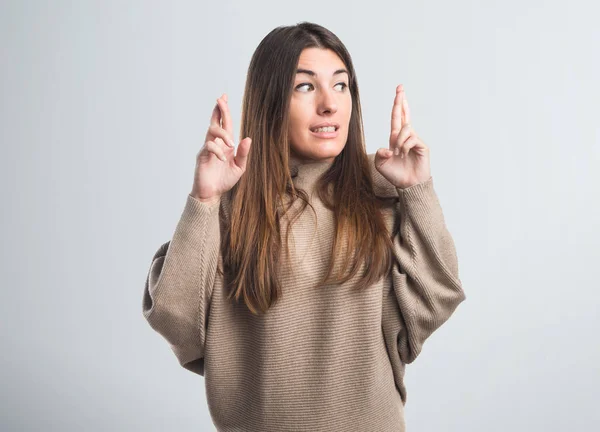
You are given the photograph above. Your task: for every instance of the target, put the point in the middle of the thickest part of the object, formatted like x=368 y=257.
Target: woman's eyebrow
x=313 y=74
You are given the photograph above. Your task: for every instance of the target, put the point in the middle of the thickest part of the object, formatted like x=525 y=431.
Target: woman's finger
x=409 y=143
x=397 y=110
x=241 y=158
x=384 y=153
x=215 y=118
x=406 y=132
x=218 y=131
x=222 y=145
x=406 y=111
x=213 y=147
x=225 y=114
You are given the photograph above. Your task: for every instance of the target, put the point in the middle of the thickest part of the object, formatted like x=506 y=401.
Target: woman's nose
x=327 y=102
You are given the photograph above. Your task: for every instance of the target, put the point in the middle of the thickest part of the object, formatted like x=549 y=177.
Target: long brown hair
x=252 y=242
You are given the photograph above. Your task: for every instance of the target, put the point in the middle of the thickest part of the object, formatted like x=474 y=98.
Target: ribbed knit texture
x=324 y=358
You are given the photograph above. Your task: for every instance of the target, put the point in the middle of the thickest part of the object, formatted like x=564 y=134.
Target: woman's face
x=320 y=95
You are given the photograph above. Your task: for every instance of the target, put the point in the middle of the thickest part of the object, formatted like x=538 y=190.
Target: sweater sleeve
x=425 y=276
x=179 y=283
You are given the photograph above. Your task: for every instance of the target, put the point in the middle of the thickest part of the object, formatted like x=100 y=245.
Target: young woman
x=305 y=320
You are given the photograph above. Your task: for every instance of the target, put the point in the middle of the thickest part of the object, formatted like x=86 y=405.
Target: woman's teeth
x=325 y=129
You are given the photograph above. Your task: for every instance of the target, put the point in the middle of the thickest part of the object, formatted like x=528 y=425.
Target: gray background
x=105 y=104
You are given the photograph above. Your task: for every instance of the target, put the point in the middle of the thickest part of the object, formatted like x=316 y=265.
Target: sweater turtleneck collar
x=306 y=173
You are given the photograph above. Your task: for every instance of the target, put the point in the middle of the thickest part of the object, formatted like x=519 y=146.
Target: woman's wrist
x=209 y=200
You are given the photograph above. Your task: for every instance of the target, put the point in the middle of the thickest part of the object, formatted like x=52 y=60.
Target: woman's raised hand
x=406 y=161
x=218 y=169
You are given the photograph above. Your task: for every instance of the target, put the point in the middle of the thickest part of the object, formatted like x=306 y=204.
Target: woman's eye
x=302 y=85
x=344 y=85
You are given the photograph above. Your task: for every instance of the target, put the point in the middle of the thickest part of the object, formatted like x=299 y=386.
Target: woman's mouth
x=328 y=132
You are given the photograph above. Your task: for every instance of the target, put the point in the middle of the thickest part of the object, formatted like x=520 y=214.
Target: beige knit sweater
x=324 y=358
